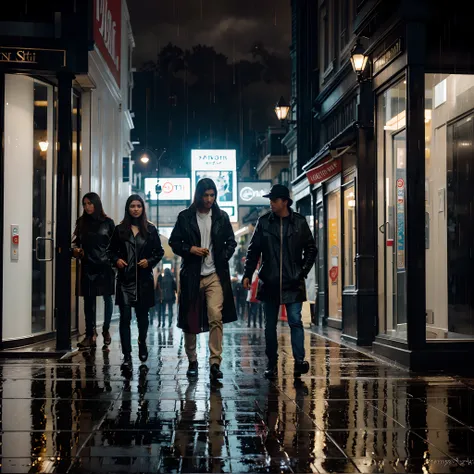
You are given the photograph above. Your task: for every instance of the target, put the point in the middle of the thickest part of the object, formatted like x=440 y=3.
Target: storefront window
x=449 y=206
x=334 y=255
x=391 y=156
x=306 y=209
x=349 y=236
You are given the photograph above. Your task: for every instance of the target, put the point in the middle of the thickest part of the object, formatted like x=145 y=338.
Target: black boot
x=142 y=351
x=216 y=372
x=301 y=367
x=192 y=369
x=272 y=370
x=127 y=361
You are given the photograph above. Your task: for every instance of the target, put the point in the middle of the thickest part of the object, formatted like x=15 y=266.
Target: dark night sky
x=231 y=26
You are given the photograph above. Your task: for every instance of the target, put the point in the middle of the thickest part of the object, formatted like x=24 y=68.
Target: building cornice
x=290 y=139
x=101 y=68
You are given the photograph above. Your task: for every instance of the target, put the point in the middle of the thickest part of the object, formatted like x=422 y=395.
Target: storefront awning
x=330 y=166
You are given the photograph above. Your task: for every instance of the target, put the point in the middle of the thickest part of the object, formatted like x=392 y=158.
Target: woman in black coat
x=134 y=249
x=90 y=240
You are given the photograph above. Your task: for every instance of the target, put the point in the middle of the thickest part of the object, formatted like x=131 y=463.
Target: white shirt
x=205 y=223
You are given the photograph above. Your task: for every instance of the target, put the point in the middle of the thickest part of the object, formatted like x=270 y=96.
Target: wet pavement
x=351 y=413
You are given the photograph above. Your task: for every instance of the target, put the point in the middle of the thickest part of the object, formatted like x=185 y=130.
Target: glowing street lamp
x=282 y=108
x=358 y=59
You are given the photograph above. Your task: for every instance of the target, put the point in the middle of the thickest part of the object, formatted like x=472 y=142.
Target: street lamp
x=282 y=108
x=145 y=159
x=359 y=60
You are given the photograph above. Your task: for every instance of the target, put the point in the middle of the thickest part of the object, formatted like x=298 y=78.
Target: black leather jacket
x=135 y=285
x=97 y=274
x=281 y=276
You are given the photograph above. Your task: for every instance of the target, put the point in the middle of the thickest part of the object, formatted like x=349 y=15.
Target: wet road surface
x=351 y=413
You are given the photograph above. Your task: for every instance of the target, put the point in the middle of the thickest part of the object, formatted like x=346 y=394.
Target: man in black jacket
x=204 y=238
x=283 y=240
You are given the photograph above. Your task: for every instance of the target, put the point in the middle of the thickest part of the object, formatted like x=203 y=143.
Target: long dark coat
x=135 y=285
x=97 y=277
x=192 y=315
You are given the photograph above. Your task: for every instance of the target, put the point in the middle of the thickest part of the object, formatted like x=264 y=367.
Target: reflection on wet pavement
x=350 y=413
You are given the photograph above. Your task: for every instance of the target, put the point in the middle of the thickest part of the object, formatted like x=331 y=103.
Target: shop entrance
x=391 y=156
x=29 y=207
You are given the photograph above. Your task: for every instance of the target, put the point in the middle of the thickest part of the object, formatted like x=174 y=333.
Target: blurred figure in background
x=168 y=289
x=254 y=305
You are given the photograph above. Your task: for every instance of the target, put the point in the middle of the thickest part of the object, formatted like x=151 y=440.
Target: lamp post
x=145 y=159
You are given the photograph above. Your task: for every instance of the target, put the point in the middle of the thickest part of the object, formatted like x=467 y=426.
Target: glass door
x=321 y=266
x=334 y=255
x=392 y=211
x=43 y=208
x=75 y=203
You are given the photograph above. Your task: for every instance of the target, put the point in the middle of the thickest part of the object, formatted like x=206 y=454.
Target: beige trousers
x=212 y=288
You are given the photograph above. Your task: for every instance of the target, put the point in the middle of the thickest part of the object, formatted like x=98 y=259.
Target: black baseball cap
x=279 y=191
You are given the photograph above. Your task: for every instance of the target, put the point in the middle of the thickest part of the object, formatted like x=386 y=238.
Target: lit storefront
x=327 y=197
x=55 y=148
x=424 y=128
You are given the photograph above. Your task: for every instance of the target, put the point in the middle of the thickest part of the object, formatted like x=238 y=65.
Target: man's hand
x=78 y=253
x=200 y=252
x=121 y=264
x=246 y=283
x=143 y=263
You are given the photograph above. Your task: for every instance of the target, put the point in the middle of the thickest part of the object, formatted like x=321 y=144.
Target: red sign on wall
x=324 y=171
x=107 y=33
x=333 y=274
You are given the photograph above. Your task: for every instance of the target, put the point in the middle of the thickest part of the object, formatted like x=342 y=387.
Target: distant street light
x=145 y=159
x=282 y=108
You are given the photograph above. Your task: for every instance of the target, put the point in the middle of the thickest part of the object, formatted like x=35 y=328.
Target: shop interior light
x=145 y=159
x=43 y=145
x=399 y=121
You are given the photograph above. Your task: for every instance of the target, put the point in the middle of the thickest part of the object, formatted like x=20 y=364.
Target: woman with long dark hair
x=90 y=240
x=134 y=249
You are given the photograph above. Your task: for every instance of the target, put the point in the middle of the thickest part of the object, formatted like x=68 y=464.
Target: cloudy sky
x=231 y=26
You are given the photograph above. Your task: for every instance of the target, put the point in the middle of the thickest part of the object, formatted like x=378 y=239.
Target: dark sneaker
x=216 y=372
x=192 y=369
x=107 y=338
x=127 y=361
x=87 y=343
x=142 y=351
x=272 y=371
x=301 y=367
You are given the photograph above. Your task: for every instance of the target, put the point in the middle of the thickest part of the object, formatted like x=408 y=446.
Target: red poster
x=107 y=33
x=333 y=273
x=324 y=171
